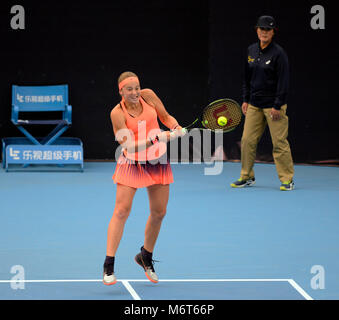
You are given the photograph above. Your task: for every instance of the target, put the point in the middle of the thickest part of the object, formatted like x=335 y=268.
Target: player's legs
x=158 y=198
x=281 y=148
x=254 y=127
x=123 y=205
x=122 y=209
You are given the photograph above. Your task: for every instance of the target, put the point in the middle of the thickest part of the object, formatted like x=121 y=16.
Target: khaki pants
x=255 y=123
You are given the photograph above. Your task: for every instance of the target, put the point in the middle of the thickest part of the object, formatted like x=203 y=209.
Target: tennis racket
x=222 y=114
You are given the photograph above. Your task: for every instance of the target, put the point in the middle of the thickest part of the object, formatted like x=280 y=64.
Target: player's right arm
x=125 y=136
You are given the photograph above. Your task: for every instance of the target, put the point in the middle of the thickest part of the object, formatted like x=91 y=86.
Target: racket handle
x=166 y=136
x=178 y=133
x=183 y=130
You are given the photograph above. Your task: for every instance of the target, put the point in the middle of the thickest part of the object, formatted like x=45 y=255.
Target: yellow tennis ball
x=222 y=121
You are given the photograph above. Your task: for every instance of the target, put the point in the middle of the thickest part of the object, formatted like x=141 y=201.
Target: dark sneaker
x=240 y=183
x=109 y=277
x=147 y=265
x=287 y=186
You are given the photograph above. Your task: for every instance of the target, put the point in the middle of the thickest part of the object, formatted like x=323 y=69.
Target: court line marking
x=300 y=289
x=135 y=296
x=145 y=280
x=130 y=290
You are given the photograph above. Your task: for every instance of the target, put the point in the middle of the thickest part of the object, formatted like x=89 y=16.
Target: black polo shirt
x=266 y=76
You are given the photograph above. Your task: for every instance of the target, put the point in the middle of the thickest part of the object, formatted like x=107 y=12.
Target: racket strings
x=226 y=108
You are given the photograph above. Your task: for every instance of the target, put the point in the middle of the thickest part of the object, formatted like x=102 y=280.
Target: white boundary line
x=300 y=289
x=145 y=280
x=130 y=290
x=135 y=296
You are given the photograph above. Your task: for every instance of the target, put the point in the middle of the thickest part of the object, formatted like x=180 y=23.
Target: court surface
x=216 y=242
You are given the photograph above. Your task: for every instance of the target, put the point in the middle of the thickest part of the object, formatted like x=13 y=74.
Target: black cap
x=266 y=22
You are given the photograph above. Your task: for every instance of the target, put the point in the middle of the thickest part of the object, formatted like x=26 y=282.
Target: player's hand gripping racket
x=223 y=114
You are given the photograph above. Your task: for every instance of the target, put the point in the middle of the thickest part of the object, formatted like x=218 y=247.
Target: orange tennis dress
x=147 y=167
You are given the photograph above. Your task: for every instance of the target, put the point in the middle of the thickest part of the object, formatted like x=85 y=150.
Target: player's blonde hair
x=125 y=75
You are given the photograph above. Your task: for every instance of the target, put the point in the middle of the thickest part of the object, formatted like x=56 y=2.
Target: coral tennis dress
x=147 y=167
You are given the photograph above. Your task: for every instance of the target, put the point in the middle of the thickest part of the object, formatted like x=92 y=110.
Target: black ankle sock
x=146 y=253
x=109 y=265
x=109 y=260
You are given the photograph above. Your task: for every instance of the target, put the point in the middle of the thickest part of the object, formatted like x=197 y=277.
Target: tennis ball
x=222 y=121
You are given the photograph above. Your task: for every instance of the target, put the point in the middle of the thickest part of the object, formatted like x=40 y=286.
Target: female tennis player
x=143 y=163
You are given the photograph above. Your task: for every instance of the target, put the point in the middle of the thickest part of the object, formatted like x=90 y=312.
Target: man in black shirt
x=265 y=88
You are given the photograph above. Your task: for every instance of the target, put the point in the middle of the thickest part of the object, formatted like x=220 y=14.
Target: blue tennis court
x=216 y=242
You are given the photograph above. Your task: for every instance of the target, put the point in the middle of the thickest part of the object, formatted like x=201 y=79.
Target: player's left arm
x=168 y=120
